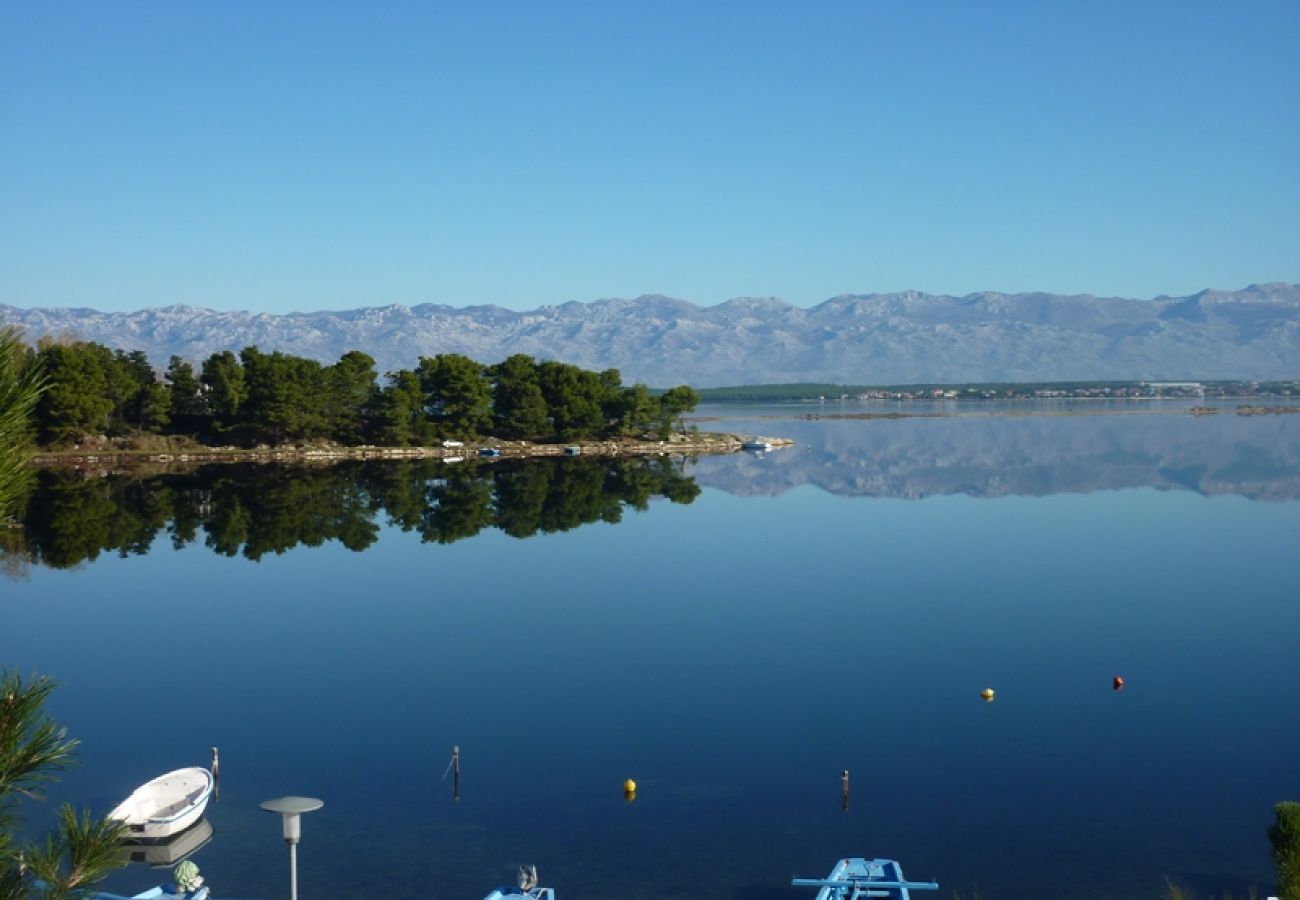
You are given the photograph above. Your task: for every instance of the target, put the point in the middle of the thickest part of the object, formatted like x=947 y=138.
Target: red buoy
x=1118 y=683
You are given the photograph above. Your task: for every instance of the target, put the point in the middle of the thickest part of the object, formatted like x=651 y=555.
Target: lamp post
x=292 y=808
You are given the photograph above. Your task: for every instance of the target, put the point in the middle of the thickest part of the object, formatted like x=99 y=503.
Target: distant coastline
x=968 y=392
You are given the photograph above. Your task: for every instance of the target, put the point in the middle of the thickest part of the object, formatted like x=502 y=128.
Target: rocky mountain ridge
x=853 y=338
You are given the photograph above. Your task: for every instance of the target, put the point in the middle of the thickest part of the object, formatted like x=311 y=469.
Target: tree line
x=252 y=510
x=253 y=398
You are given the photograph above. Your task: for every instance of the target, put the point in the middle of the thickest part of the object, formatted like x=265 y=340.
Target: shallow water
x=835 y=605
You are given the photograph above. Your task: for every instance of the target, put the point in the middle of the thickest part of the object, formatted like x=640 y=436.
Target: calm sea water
x=836 y=605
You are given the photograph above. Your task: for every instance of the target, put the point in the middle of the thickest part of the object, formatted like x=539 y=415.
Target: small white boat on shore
x=165 y=806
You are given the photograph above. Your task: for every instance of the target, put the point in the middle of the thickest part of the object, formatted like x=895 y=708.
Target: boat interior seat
x=172 y=808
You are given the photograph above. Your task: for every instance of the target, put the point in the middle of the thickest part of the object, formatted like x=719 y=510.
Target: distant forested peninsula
x=778 y=393
x=258 y=399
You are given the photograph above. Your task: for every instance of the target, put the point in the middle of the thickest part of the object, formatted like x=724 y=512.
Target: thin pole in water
x=454 y=765
x=844 y=789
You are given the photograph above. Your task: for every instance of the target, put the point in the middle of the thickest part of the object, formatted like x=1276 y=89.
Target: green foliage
x=141 y=403
x=76 y=401
x=277 y=398
x=80 y=850
x=223 y=379
x=189 y=408
x=673 y=404
x=397 y=412
x=573 y=400
x=33 y=747
x=285 y=396
x=636 y=411
x=518 y=407
x=1284 y=835
x=347 y=388
x=21 y=383
x=457 y=395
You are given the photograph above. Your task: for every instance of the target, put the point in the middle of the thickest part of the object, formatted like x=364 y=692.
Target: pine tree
x=20 y=389
x=519 y=408
x=79 y=851
x=189 y=409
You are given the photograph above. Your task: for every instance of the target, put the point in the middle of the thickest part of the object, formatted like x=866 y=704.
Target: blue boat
x=158 y=893
x=856 y=877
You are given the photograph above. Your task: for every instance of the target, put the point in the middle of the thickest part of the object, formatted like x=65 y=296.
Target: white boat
x=165 y=806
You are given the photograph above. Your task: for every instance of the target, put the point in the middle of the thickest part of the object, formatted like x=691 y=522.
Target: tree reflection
x=252 y=510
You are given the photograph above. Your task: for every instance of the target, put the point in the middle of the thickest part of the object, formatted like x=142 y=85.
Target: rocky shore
x=107 y=454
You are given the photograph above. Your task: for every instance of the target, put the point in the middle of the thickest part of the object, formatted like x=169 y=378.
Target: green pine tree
x=20 y=389
x=79 y=851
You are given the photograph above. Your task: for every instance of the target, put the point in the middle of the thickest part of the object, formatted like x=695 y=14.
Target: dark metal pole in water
x=454 y=766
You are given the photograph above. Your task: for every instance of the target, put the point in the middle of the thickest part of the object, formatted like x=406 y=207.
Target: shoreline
x=695 y=445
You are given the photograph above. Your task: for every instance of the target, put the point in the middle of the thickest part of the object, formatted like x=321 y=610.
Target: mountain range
x=894 y=338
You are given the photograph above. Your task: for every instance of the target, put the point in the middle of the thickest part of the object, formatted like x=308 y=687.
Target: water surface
x=731 y=632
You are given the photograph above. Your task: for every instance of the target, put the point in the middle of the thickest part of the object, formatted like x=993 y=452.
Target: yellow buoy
x=629 y=786
x=988 y=693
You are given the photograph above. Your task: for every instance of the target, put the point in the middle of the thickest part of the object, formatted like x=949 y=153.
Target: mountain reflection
x=984 y=455
x=251 y=510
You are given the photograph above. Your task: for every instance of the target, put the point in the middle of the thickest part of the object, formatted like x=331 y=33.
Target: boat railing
x=866 y=883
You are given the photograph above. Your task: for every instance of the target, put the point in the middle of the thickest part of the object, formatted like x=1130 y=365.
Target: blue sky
x=299 y=156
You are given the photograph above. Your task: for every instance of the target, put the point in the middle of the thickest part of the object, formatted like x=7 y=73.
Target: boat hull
x=165 y=806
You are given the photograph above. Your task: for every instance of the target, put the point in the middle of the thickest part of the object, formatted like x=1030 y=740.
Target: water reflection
x=1029 y=455
x=252 y=510
x=165 y=854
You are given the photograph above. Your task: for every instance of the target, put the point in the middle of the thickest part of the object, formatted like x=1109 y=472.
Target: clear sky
x=280 y=156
